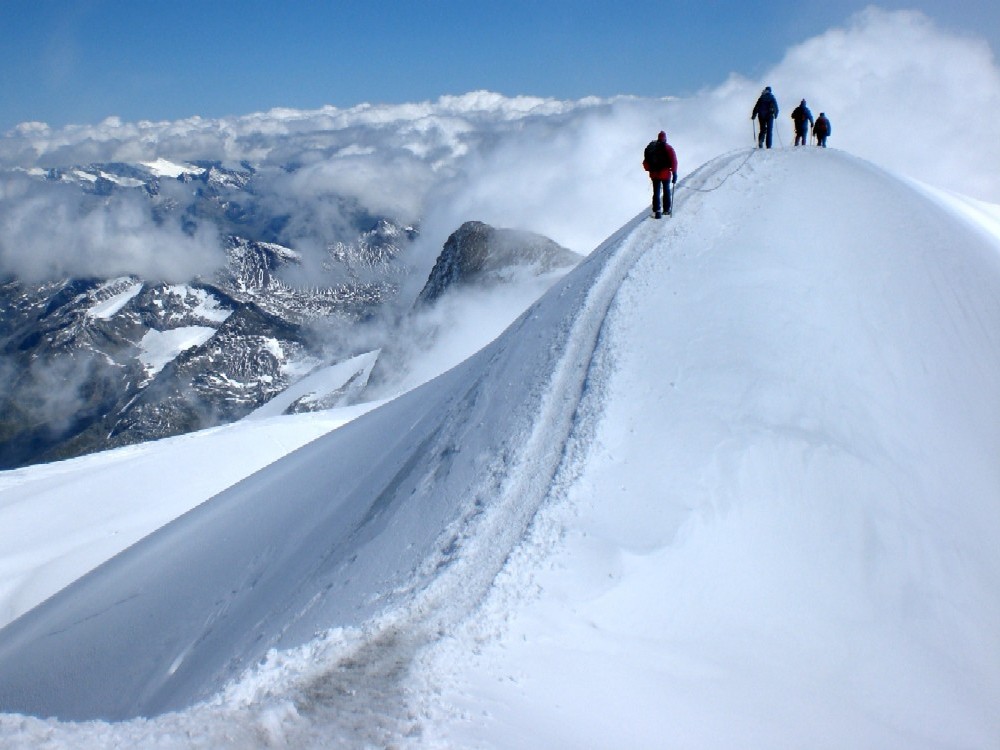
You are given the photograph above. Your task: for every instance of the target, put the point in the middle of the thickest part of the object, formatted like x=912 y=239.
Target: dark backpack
x=655 y=156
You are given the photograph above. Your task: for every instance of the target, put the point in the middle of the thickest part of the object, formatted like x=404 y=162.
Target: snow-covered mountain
x=733 y=481
x=95 y=363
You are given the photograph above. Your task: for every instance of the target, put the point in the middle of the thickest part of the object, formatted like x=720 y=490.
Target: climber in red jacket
x=660 y=160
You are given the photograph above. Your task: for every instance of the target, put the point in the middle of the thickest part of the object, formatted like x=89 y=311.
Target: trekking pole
x=753 y=124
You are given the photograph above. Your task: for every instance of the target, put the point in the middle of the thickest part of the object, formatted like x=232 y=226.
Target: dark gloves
x=675 y=178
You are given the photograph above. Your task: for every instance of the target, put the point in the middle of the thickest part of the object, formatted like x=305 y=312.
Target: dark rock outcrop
x=478 y=254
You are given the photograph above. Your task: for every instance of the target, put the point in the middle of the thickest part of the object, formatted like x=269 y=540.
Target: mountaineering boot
x=657 y=215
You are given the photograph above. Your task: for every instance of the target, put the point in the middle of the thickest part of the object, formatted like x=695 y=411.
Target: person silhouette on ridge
x=822 y=129
x=660 y=160
x=765 y=110
x=801 y=115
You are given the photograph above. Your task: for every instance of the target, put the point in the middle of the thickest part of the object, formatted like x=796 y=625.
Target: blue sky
x=80 y=61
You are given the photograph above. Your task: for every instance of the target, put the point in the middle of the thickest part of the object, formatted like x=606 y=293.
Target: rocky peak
x=479 y=254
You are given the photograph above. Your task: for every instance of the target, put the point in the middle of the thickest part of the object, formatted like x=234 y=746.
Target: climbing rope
x=724 y=179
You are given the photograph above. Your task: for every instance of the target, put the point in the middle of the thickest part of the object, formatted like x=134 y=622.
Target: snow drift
x=734 y=481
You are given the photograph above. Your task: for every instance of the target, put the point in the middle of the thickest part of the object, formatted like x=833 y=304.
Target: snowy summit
x=732 y=482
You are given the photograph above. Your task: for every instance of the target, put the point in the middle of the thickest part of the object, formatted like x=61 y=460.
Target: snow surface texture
x=60 y=520
x=733 y=482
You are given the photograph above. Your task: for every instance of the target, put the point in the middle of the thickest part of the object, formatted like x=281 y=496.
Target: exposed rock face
x=91 y=364
x=94 y=363
x=478 y=254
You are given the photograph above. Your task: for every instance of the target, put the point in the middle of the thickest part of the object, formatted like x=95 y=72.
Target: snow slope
x=60 y=520
x=785 y=533
x=324 y=383
x=732 y=482
x=342 y=529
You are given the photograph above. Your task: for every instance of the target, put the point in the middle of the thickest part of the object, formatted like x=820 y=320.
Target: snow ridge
x=446 y=441
x=732 y=480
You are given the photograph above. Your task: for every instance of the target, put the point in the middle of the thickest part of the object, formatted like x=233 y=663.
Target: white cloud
x=904 y=94
x=50 y=230
x=900 y=91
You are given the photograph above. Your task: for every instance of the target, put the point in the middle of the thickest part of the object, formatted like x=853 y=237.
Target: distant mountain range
x=95 y=363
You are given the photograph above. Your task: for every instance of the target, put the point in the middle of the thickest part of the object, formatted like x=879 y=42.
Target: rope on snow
x=724 y=179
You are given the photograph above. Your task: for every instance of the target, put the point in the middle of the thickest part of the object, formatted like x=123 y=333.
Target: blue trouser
x=766 y=128
x=659 y=184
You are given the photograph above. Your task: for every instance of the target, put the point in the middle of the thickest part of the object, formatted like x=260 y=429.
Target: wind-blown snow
x=344 y=378
x=733 y=482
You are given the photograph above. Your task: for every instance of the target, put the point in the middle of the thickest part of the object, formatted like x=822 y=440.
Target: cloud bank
x=900 y=91
x=50 y=231
x=906 y=95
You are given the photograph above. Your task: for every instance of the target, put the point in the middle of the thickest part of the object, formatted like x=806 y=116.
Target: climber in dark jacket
x=660 y=160
x=765 y=110
x=801 y=115
x=822 y=129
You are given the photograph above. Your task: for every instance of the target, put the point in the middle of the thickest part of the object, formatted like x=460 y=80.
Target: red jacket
x=661 y=171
